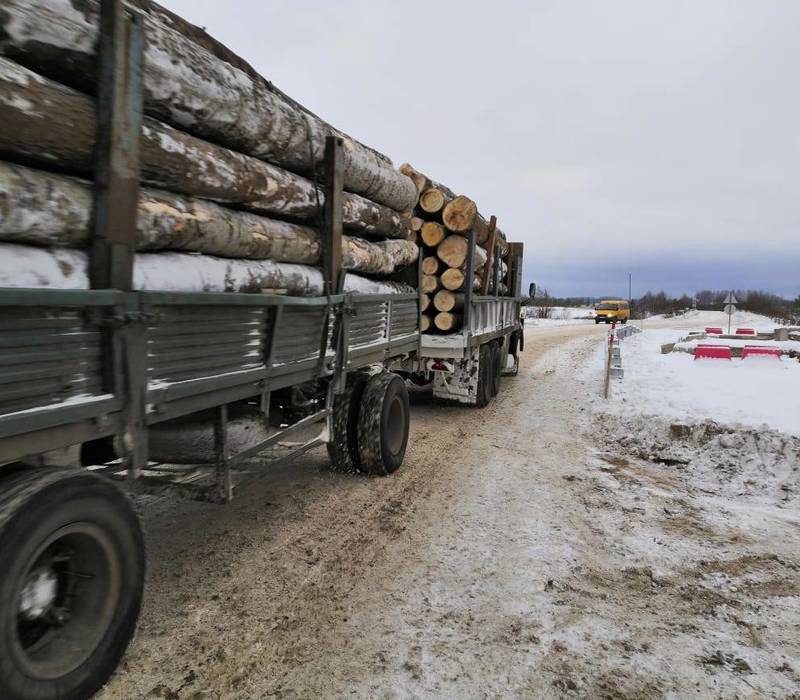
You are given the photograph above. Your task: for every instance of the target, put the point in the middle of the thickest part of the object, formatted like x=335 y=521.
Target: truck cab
x=610 y=310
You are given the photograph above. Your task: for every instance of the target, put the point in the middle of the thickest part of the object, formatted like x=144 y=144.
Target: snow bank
x=754 y=392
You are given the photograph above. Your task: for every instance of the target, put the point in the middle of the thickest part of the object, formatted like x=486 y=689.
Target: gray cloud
x=661 y=133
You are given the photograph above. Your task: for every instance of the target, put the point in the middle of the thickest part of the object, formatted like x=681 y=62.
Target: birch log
x=430 y=265
x=52 y=126
x=454 y=249
x=461 y=215
x=424 y=323
x=62 y=268
x=423 y=182
x=445 y=300
x=447 y=321
x=55 y=210
x=429 y=284
x=453 y=279
x=432 y=234
x=190 y=88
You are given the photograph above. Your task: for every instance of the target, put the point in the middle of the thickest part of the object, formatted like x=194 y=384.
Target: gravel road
x=511 y=556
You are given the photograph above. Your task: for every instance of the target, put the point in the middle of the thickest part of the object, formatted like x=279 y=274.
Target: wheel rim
x=66 y=598
x=395 y=425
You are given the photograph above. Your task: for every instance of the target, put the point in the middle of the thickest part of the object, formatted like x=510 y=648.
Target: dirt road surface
x=511 y=556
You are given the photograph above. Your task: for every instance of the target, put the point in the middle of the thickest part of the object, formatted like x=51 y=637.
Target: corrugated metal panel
x=190 y=342
x=368 y=324
x=46 y=357
x=405 y=318
x=299 y=334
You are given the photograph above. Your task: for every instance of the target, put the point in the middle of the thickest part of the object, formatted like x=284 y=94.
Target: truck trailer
x=88 y=375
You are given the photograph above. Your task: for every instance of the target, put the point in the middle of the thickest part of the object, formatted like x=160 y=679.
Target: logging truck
x=88 y=378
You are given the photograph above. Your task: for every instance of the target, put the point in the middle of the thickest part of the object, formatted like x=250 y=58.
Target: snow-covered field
x=753 y=392
x=559 y=316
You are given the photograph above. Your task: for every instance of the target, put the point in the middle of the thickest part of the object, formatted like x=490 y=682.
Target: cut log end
x=432 y=200
x=432 y=233
x=459 y=214
x=447 y=322
x=453 y=279
x=430 y=265
x=424 y=301
x=445 y=300
x=424 y=323
x=453 y=251
x=429 y=284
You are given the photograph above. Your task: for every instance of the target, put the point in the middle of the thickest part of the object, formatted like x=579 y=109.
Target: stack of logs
x=442 y=222
x=229 y=166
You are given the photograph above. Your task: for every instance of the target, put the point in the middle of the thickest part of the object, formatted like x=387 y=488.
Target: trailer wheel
x=485 y=378
x=383 y=424
x=497 y=366
x=72 y=560
x=343 y=444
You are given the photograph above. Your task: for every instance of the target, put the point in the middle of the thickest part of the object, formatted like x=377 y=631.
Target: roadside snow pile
x=755 y=392
x=737 y=460
x=731 y=427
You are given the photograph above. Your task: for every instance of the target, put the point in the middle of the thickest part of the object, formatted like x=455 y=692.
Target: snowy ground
x=753 y=392
x=560 y=316
x=516 y=554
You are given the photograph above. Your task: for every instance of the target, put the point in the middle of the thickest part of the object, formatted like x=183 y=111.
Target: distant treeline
x=651 y=303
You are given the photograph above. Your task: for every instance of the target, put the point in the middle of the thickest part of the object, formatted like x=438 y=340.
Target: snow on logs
x=192 y=89
x=53 y=210
x=64 y=268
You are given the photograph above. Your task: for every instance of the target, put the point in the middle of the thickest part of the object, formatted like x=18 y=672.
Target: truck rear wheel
x=383 y=424
x=343 y=444
x=497 y=350
x=485 y=376
x=73 y=560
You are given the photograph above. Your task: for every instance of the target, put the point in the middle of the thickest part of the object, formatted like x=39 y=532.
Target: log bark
x=62 y=268
x=447 y=321
x=53 y=127
x=54 y=210
x=445 y=300
x=430 y=265
x=429 y=284
x=432 y=234
x=190 y=88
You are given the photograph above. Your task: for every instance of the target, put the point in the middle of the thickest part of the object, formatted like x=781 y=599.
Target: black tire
x=624 y=321
x=343 y=445
x=383 y=424
x=71 y=541
x=596 y=321
x=485 y=378
x=497 y=364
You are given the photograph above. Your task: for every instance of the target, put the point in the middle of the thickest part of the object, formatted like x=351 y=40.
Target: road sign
x=729 y=309
x=731 y=299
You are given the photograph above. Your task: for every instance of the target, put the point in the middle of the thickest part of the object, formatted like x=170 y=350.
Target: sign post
x=730 y=307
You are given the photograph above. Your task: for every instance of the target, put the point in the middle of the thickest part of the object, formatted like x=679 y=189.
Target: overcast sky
x=656 y=137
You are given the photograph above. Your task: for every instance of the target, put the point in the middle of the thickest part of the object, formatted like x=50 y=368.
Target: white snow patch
x=751 y=392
